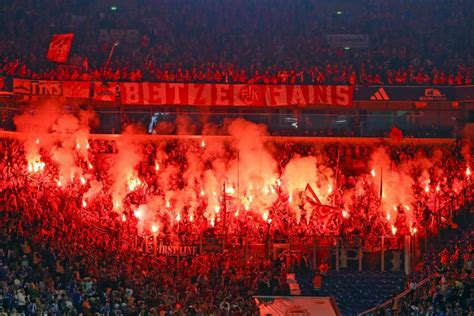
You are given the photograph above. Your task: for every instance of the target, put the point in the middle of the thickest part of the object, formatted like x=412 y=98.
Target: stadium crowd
x=58 y=256
x=410 y=42
x=448 y=291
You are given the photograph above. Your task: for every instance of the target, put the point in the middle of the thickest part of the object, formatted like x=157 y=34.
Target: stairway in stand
x=294 y=285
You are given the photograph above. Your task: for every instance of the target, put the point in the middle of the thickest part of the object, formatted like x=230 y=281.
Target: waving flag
x=311 y=195
x=59 y=47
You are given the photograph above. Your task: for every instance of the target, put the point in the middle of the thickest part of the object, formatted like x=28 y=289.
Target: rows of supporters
x=448 y=173
x=55 y=257
x=410 y=42
x=449 y=291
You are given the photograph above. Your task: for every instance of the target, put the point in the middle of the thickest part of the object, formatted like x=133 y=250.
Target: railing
x=277 y=139
x=398 y=297
x=407 y=291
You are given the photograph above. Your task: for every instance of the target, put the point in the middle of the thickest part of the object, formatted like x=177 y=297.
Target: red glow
x=394 y=230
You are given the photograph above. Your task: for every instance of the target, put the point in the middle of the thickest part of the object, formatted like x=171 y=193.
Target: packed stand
x=59 y=255
x=435 y=203
x=271 y=42
x=448 y=291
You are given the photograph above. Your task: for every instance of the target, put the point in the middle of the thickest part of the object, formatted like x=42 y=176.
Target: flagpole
x=336 y=184
x=238 y=173
x=224 y=220
x=381 y=183
x=107 y=62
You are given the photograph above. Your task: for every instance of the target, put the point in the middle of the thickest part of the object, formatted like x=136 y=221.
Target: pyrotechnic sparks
x=229 y=190
x=192 y=182
x=394 y=230
x=37 y=141
x=124 y=218
x=372 y=172
x=154 y=228
x=133 y=184
x=36 y=166
x=138 y=214
x=84 y=203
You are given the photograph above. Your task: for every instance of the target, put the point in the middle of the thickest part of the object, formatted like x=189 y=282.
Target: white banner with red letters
x=233 y=94
x=148 y=93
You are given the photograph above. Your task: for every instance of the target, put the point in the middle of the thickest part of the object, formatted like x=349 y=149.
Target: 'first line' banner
x=233 y=94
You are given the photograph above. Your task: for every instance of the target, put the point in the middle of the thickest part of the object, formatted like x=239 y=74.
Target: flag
x=396 y=133
x=59 y=47
x=311 y=195
x=381 y=183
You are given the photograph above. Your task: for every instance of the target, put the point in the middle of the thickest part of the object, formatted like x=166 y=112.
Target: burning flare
x=36 y=166
x=394 y=230
x=133 y=184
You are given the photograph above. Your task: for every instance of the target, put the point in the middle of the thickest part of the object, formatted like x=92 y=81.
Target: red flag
x=311 y=195
x=396 y=133
x=59 y=47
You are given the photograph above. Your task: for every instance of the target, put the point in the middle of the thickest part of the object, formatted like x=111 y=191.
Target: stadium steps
x=355 y=291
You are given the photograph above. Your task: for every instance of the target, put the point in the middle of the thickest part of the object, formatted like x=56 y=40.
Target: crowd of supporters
x=448 y=291
x=410 y=42
x=57 y=256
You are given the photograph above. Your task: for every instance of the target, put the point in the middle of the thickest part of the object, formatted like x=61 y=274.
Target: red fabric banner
x=105 y=91
x=59 y=47
x=234 y=94
x=76 y=89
